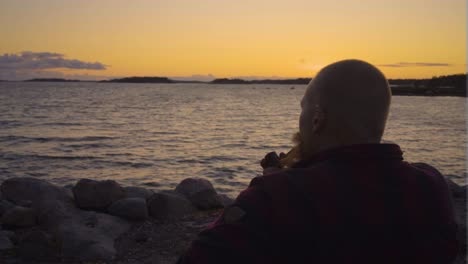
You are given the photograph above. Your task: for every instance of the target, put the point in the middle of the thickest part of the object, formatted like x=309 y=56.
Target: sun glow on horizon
x=405 y=39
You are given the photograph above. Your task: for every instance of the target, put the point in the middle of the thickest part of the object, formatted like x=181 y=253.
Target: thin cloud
x=415 y=64
x=28 y=60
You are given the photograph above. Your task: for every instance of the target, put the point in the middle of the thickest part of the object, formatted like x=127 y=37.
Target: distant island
x=51 y=80
x=141 y=80
x=264 y=81
x=448 y=85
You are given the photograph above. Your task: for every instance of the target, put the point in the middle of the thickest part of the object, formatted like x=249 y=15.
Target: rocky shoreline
x=94 y=220
x=103 y=222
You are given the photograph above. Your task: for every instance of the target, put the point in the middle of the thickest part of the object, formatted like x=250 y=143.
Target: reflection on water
x=158 y=134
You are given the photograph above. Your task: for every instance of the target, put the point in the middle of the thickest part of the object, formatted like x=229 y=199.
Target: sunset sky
x=217 y=38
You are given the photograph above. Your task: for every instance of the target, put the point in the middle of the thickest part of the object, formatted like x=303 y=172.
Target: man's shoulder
x=426 y=168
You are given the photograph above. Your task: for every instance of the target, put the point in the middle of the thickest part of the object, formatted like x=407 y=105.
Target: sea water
x=155 y=135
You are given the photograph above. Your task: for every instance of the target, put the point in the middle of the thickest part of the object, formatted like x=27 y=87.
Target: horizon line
x=182 y=79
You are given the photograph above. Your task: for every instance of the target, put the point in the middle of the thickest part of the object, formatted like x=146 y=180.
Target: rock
x=191 y=186
x=25 y=203
x=21 y=189
x=5 y=242
x=138 y=192
x=5 y=206
x=141 y=237
x=97 y=195
x=19 y=216
x=226 y=200
x=69 y=193
x=82 y=235
x=68 y=186
x=165 y=206
x=9 y=234
x=79 y=235
x=130 y=208
x=206 y=199
x=89 y=236
x=52 y=213
x=200 y=192
x=456 y=190
x=37 y=246
x=46 y=199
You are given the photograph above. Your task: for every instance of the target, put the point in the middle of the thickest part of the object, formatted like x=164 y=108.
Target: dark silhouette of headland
x=262 y=81
x=51 y=80
x=448 y=85
x=141 y=80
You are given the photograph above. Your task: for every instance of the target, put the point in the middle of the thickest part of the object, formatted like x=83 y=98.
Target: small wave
x=95 y=161
x=11 y=156
x=89 y=146
x=164 y=133
x=152 y=184
x=287 y=147
x=118 y=154
x=37 y=174
x=189 y=161
x=212 y=159
x=233 y=145
x=223 y=158
x=9 y=123
x=136 y=165
x=52 y=139
x=60 y=124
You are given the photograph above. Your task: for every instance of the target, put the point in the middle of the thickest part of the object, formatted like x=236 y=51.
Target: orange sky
x=293 y=38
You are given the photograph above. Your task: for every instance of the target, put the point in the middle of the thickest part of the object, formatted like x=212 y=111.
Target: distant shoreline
x=451 y=85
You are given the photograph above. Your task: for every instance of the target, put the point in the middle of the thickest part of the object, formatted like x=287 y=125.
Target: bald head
x=346 y=103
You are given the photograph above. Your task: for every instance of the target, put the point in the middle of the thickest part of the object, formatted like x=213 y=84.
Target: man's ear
x=319 y=120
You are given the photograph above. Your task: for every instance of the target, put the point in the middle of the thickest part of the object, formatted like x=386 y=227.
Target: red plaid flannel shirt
x=354 y=204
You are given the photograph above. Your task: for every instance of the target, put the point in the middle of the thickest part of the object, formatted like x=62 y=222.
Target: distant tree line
x=450 y=85
x=262 y=81
x=51 y=80
x=141 y=80
x=457 y=81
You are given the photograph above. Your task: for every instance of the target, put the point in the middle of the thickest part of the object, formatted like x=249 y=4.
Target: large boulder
x=5 y=241
x=226 y=200
x=53 y=213
x=130 y=208
x=78 y=235
x=206 y=199
x=22 y=190
x=191 y=186
x=45 y=198
x=97 y=195
x=456 y=190
x=37 y=246
x=19 y=216
x=138 y=192
x=166 y=206
x=89 y=236
x=200 y=192
x=5 y=206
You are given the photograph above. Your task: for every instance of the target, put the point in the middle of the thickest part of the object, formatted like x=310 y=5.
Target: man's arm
x=239 y=235
x=452 y=239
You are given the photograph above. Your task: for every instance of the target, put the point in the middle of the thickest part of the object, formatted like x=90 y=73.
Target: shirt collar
x=355 y=152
